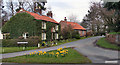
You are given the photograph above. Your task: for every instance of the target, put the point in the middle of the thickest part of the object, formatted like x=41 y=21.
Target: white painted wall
x=1 y=35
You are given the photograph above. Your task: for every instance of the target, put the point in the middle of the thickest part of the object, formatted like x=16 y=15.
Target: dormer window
x=43 y=25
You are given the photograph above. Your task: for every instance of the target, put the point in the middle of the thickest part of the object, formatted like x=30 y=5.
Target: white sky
x=65 y=8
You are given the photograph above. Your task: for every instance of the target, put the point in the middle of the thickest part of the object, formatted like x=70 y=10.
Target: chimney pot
x=65 y=19
x=49 y=14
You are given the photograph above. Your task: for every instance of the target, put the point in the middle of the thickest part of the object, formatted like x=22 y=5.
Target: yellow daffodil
x=66 y=50
x=52 y=53
x=58 y=49
x=57 y=53
x=39 y=54
x=44 y=42
x=44 y=52
x=30 y=53
x=61 y=48
x=64 y=46
x=61 y=51
x=62 y=54
x=36 y=52
x=40 y=51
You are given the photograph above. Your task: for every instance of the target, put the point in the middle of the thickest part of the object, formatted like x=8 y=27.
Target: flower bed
x=56 y=56
x=60 y=53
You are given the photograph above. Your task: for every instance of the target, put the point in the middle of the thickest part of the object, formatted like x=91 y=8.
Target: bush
x=21 y=37
x=76 y=35
x=13 y=42
x=114 y=33
x=34 y=37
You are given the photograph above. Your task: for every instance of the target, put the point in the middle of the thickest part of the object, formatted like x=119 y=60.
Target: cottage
x=45 y=27
x=74 y=25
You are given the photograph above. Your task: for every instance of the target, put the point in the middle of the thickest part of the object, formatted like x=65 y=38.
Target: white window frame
x=83 y=32
x=53 y=29
x=43 y=36
x=25 y=35
x=56 y=35
x=56 y=27
x=43 y=25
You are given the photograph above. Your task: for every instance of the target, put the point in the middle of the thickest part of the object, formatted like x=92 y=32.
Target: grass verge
x=15 y=49
x=105 y=44
x=72 y=57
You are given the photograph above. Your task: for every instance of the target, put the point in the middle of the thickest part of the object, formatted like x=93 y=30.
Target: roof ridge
x=39 y=17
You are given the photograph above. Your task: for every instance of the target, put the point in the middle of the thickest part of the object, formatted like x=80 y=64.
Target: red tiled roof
x=74 y=25
x=37 y=16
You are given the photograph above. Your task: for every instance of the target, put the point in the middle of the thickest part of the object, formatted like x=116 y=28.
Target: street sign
x=22 y=42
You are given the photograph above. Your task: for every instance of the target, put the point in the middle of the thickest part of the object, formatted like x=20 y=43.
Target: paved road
x=54 y=64
x=84 y=46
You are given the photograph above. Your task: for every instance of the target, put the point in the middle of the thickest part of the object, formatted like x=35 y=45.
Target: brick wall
x=113 y=38
x=81 y=33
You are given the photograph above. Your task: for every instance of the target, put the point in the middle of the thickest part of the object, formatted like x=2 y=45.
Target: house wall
x=113 y=38
x=82 y=33
x=51 y=31
x=63 y=24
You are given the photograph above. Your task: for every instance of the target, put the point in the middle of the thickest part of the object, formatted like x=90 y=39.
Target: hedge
x=114 y=33
x=13 y=42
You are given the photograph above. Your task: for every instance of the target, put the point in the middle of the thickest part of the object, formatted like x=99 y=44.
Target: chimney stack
x=65 y=19
x=49 y=14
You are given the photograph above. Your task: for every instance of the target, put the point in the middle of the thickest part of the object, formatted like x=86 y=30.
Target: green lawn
x=72 y=57
x=104 y=43
x=17 y=49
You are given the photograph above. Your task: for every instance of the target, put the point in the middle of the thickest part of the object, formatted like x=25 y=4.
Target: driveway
x=84 y=46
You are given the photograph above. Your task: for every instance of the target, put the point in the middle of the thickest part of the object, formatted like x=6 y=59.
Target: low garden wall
x=113 y=38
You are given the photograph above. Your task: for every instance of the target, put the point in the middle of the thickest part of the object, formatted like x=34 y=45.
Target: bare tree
x=10 y=6
x=93 y=19
x=73 y=18
x=67 y=31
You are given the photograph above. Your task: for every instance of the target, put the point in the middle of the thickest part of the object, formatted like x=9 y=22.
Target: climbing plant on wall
x=38 y=27
x=24 y=22
x=20 y=23
x=49 y=26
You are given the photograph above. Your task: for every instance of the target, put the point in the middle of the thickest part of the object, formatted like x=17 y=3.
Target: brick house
x=43 y=19
x=74 y=25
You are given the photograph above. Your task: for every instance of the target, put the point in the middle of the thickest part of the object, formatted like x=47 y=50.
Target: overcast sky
x=65 y=8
